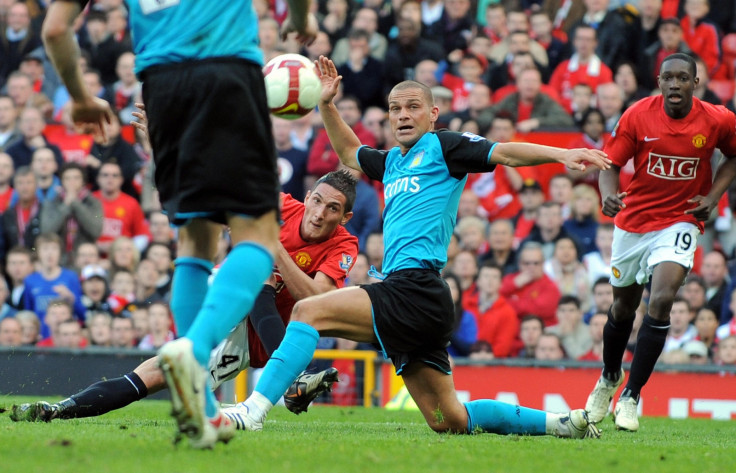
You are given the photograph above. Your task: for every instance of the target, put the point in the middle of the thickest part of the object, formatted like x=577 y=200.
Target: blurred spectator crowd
x=87 y=254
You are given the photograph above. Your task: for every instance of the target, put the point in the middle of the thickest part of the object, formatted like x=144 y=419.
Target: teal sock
x=188 y=290
x=210 y=401
x=290 y=359
x=498 y=417
x=230 y=297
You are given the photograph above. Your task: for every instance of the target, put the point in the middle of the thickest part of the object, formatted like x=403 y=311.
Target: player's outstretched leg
x=488 y=415
x=97 y=399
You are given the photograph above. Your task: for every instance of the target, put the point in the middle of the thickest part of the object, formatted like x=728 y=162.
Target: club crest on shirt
x=616 y=272
x=346 y=261
x=417 y=159
x=303 y=259
x=699 y=140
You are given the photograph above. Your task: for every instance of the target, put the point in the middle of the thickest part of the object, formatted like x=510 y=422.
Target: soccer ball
x=292 y=86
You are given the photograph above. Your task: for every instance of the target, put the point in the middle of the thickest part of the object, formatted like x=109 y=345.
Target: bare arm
x=300 y=21
x=612 y=200
x=88 y=112
x=343 y=138
x=529 y=154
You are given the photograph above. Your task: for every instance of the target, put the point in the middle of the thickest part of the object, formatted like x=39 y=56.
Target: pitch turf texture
x=331 y=439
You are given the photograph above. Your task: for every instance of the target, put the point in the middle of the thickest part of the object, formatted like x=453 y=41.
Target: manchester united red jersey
x=671 y=160
x=333 y=257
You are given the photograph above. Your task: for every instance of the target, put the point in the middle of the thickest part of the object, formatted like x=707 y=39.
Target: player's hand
x=576 y=159
x=141 y=124
x=703 y=209
x=304 y=35
x=327 y=73
x=613 y=203
x=91 y=115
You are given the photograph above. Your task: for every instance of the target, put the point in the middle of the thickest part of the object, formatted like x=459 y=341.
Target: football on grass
x=292 y=86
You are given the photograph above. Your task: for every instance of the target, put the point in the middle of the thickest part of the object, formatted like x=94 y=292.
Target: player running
x=658 y=217
x=315 y=256
x=410 y=315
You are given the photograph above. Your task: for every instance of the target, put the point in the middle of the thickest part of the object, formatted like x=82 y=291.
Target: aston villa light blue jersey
x=422 y=191
x=172 y=31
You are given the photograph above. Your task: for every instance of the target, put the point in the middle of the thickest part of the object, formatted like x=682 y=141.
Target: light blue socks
x=291 y=358
x=228 y=300
x=488 y=415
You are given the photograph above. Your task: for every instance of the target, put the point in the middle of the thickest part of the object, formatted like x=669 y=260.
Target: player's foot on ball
x=625 y=415
x=575 y=425
x=186 y=381
x=240 y=414
x=599 y=400
x=307 y=387
x=40 y=411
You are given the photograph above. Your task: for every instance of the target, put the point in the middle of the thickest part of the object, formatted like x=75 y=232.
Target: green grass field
x=330 y=439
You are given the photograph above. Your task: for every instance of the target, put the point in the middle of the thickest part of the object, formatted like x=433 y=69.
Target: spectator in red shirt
x=496 y=319
x=702 y=36
x=122 y=214
x=584 y=67
x=530 y=291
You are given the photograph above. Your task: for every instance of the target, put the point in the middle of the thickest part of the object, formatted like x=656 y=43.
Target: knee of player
x=304 y=311
x=660 y=304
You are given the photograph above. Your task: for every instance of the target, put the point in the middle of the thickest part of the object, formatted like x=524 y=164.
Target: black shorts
x=210 y=130
x=413 y=318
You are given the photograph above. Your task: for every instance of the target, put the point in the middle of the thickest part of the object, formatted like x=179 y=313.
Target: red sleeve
x=622 y=145
x=507 y=285
x=337 y=264
x=606 y=75
x=556 y=80
x=507 y=332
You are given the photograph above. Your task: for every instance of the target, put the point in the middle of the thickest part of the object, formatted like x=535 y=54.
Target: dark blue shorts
x=413 y=318
x=210 y=130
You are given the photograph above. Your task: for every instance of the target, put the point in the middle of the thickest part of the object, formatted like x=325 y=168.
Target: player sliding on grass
x=314 y=228
x=658 y=217
x=410 y=315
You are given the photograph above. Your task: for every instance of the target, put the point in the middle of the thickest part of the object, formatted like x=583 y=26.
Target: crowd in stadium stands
x=87 y=254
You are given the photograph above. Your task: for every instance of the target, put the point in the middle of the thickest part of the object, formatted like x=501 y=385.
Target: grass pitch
x=331 y=439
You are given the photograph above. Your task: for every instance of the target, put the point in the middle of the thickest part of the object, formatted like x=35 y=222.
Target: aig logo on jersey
x=672 y=168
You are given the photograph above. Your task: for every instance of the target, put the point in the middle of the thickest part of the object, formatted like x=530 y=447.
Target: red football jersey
x=671 y=160
x=333 y=257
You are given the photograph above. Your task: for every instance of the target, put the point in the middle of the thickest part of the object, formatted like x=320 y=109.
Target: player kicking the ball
x=658 y=217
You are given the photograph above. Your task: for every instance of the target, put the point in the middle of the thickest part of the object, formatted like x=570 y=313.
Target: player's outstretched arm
x=343 y=138
x=529 y=154
x=88 y=112
x=725 y=174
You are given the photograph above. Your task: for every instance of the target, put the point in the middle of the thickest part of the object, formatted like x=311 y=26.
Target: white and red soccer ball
x=292 y=86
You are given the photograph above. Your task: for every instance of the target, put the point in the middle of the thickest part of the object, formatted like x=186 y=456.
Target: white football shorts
x=636 y=254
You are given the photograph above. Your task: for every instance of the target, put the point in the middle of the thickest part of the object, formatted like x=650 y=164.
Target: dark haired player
x=410 y=315
x=200 y=66
x=315 y=255
x=671 y=138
